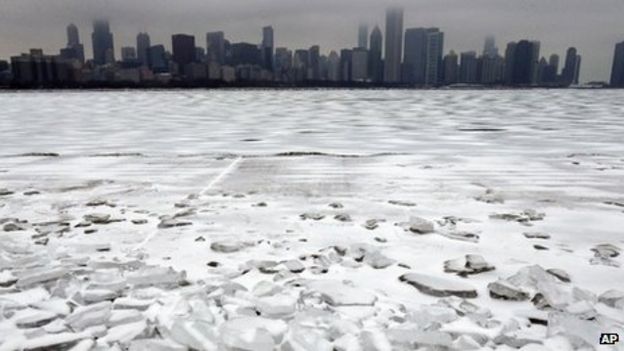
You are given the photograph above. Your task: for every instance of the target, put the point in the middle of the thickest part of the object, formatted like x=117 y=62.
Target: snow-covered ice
x=311 y=220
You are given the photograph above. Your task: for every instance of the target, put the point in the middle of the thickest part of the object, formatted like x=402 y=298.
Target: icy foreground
x=500 y=246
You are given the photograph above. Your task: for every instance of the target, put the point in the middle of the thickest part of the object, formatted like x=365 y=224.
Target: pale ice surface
x=307 y=195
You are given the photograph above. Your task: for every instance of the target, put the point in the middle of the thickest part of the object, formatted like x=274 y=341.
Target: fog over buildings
x=591 y=26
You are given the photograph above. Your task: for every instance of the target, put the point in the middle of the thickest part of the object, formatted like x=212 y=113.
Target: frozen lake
x=312 y=220
x=505 y=123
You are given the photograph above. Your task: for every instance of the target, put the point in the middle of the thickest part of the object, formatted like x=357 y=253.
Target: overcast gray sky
x=593 y=26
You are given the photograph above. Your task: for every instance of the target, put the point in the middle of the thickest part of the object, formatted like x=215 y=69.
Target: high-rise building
x=363 y=36
x=103 y=46
x=215 y=47
x=74 y=49
x=468 y=68
x=415 y=55
x=525 y=63
x=433 y=65
x=333 y=67
x=283 y=64
x=554 y=61
x=570 y=72
x=359 y=65
x=301 y=63
x=314 y=68
x=451 y=68
x=375 y=62
x=73 y=38
x=183 y=46
x=157 y=59
x=346 y=61
x=245 y=54
x=617 y=69
x=200 y=54
x=267 y=47
x=510 y=56
x=128 y=53
x=394 y=45
x=492 y=69
x=489 y=48
x=142 y=43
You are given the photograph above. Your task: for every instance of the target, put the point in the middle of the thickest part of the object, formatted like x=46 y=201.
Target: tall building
x=267 y=47
x=359 y=65
x=489 y=48
x=183 y=46
x=525 y=63
x=451 y=68
x=157 y=59
x=74 y=49
x=435 y=48
x=142 y=44
x=468 y=68
x=245 y=54
x=301 y=63
x=333 y=67
x=283 y=64
x=617 y=70
x=375 y=62
x=73 y=38
x=492 y=69
x=103 y=46
x=215 y=47
x=346 y=61
x=363 y=36
x=510 y=56
x=554 y=62
x=415 y=55
x=128 y=53
x=570 y=72
x=394 y=45
x=314 y=69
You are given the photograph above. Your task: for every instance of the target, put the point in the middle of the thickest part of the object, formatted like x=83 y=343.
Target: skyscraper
x=569 y=74
x=435 y=48
x=143 y=43
x=468 y=68
x=215 y=47
x=283 y=64
x=375 y=63
x=451 y=68
x=333 y=67
x=183 y=46
x=246 y=54
x=72 y=35
x=489 y=48
x=492 y=69
x=314 y=59
x=523 y=69
x=103 y=47
x=301 y=63
x=617 y=70
x=128 y=53
x=346 y=61
x=363 y=36
x=156 y=59
x=74 y=49
x=554 y=62
x=359 y=65
x=394 y=45
x=267 y=47
x=510 y=56
x=415 y=55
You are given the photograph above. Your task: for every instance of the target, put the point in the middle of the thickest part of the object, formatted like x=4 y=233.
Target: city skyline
x=412 y=57
x=331 y=26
